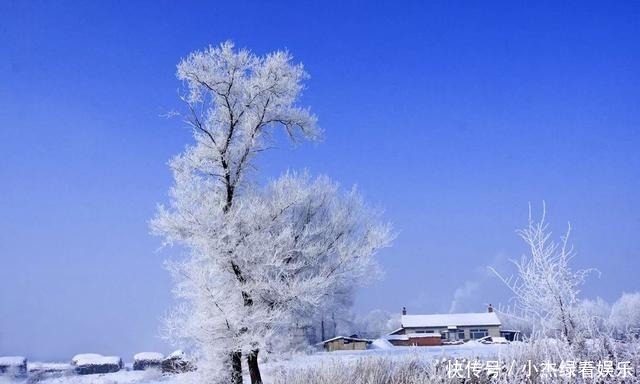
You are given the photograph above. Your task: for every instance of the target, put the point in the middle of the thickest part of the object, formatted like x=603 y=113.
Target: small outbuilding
x=511 y=334
x=93 y=363
x=147 y=360
x=15 y=366
x=345 y=343
x=415 y=339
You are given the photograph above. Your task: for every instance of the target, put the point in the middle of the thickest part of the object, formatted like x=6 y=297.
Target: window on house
x=460 y=334
x=478 y=333
x=443 y=335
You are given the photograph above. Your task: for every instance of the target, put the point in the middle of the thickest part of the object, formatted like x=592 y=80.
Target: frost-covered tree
x=261 y=259
x=594 y=315
x=625 y=314
x=546 y=288
x=376 y=323
x=334 y=317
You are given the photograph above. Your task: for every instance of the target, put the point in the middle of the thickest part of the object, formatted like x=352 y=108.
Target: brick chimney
x=490 y=309
x=404 y=311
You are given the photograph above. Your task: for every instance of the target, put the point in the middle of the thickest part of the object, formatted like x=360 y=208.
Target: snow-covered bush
x=517 y=363
x=177 y=362
x=370 y=370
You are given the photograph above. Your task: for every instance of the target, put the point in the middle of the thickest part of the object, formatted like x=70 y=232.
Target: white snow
x=397 y=337
x=452 y=319
x=148 y=356
x=121 y=377
x=177 y=353
x=381 y=348
x=411 y=336
x=44 y=367
x=12 y=360
x=81 y=357
x=417 y=335
x=346 y=338
x=94 y=359
x=381 y=344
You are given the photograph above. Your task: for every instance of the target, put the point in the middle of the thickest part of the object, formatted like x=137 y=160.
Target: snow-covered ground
x=467 y=350
x=381 y=348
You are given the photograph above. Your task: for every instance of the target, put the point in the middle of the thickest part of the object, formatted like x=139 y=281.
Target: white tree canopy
x=625 y=313
x=299 y=243
x=261 y=259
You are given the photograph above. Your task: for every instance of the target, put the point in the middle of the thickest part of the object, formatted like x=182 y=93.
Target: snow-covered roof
x=178 y=353
x=82 y=357
x=346 y=338
x=12 y=361
x=94 y=359
x=397 y=337
x=148 y=356
x=412 y=336
x=449 y=320
x=418 y=335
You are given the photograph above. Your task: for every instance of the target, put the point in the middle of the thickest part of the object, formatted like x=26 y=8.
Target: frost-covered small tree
x=546 y=288
x=594 y=315
x=261 y=259
x=625 y=314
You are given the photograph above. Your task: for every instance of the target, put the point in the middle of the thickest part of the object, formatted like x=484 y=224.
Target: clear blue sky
x=450 y=116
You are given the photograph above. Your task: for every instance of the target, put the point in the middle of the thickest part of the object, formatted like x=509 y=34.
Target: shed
x=345 y=343
x=13 y=366
x=415 y=339
x=93 y=363
x=146 y=360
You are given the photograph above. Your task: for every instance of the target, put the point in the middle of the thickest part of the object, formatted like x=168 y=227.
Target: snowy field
x=468 y=350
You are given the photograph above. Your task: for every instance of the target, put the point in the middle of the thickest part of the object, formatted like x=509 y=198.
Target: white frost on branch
x=262 y=260
x=546 y=289
x=625 y=314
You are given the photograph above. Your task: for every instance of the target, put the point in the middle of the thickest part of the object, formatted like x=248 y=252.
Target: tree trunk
x=254 y=370
x=236 y=367
x=333 y=320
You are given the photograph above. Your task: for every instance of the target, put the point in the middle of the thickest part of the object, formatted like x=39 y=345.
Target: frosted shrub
x=519 y=363
x=372 y=370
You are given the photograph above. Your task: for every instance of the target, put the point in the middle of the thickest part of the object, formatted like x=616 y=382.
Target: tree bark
x=236 y=367
x=254 y=370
